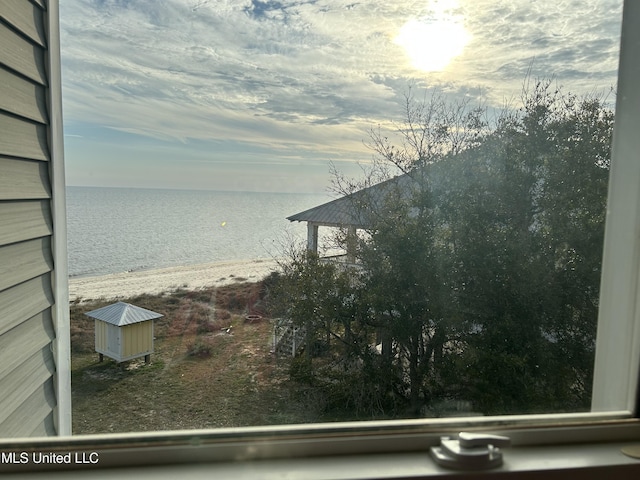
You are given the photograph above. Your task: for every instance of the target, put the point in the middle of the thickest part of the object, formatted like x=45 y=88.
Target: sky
x=251 y=95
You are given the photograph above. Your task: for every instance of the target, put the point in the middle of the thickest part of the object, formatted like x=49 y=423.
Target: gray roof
x=122 y=313
x=354 y=209
x=339 y=212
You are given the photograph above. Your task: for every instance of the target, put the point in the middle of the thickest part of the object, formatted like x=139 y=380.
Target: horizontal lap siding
x=17 y=345
x=27 y=17
x=24 y=220
x=23 y=138
x=23 y=301
x=47 y=427
x=25 y=260
x=24 y=179
x=21 y=55
x=36 y=416
x=39 y=366
x=22 y=97
x=27 y=365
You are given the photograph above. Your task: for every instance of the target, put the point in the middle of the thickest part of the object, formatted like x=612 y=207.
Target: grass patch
x=209 y=368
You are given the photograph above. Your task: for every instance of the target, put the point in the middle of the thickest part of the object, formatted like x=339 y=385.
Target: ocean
x=113 y=230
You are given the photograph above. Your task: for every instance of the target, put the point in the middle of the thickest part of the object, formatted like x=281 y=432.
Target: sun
x=432 y=41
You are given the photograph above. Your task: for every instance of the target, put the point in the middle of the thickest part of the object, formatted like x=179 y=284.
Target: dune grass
x=210 y=368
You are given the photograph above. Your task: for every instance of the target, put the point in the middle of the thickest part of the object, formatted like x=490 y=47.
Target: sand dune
x=126 y=284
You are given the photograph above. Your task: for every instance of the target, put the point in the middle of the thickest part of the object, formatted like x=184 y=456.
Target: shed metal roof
x=354 y=209
x=122 y=313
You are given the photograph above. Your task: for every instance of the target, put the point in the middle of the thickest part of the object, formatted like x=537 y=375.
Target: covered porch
x=351 y=213
x=339 y=214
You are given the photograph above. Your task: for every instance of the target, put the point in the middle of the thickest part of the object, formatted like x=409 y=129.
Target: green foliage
x=480 y=267
x=528 y=241
x=300 y=371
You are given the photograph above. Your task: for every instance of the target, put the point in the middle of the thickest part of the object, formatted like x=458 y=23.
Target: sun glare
x=432 y=41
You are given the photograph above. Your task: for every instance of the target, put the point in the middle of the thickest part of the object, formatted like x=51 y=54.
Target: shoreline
x=155 y=281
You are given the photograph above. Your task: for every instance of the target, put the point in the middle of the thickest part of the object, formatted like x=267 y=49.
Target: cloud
x=307 y=77
x=573 y=41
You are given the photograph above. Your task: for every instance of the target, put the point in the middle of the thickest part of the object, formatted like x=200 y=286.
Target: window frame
x=617 y=356
x=60 y=280
x=615 y=384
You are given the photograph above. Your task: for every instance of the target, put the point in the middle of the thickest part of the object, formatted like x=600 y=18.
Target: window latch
x=470 y=451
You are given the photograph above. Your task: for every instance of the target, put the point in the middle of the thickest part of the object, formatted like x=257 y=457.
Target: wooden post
x=312 y=237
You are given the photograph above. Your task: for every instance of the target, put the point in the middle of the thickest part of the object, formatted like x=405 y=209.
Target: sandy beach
x=127 y=284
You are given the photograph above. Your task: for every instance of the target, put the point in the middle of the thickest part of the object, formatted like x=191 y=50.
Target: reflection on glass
x=463 y=147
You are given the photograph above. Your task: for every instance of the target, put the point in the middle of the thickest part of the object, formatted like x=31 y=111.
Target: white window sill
x=598 y=461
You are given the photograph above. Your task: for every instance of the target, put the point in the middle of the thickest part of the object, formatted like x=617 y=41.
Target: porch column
x=312 y=237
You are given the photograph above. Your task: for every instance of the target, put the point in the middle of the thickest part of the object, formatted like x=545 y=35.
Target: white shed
x=124 y=331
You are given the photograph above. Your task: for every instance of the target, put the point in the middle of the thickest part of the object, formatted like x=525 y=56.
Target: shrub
x=199 y=349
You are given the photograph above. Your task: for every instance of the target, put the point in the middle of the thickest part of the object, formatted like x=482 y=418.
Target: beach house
x=352 y=212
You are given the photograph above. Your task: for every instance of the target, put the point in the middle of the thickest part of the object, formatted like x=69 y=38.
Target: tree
x=480 y=267
x=527 y=218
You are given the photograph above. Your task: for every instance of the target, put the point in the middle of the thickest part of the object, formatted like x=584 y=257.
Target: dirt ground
x=210 y=369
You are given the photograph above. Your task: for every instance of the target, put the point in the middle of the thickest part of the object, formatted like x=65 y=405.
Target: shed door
x=113 y=339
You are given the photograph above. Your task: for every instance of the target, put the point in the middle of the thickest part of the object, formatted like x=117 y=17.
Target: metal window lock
x=470 y=451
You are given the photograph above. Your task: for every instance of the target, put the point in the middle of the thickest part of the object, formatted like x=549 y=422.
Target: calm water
x=117 y=229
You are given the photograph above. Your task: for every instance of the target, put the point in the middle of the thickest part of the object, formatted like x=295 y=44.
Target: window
x=614 y=394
